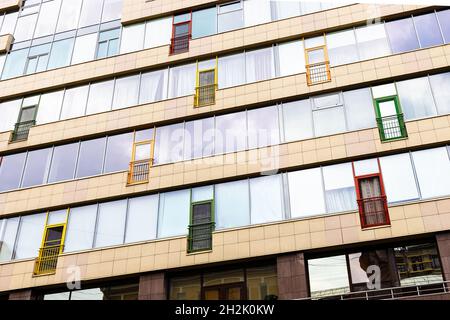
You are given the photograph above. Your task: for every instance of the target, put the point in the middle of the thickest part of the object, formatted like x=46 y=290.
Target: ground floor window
x=122 y=291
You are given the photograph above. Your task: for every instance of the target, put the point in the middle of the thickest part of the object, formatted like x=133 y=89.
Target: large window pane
x=182 y=80
x=297 y=120
x=110 y=223
x=9 y=233
x=263 y=127
x=230 y=17
x=340 y=194
x=132 y=38
x=49 y=107
x=232 y=204
x=440 y=84
x=169 y=144
x=36 y=169
x=69 y=15
x=259 y=64
x=256 y=12
x=231 y=133
x=158 y=32
x=90 y=13
x=63 y=162
x=126 y=92
x=90 y=159
x=185 y=288
x=359 y=109
x=30 y=236
x=10 y=113
x=80 y=228
x=74 y=104
x=84 y=49
x=402 y=35
x=118 y=152
x=48 y=17
x=11 y=168
x=398 y=178
x=100 y=97
x=61 y=53
x=372 y=41
x=262 y=282
x=142 y=219
x=329 y=121
x=415 y=98
x=291 y=58
x=204 y=22
x=25 y=27
x=112 y=10
x=266 y=196
x=9 y=23
x=428 y=30
x=433 y=172
x=231 y=70
x=328 y=276
x=173 y=213
x=15 y=64
x=284 y=9
x=153 y=86
x=444 y=21
x=342 y=47
x=199 y=138
x=306 y=193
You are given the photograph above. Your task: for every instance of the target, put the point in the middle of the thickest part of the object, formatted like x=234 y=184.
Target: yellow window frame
x=197 y=100
x=132 y=169
x=325 y=64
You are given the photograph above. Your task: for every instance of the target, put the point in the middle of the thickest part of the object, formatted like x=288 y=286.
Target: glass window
x=263 y=127
x=25 y=27
x=90 y=158
x=118 y=152
x=231 y=70
x=402 y=35
x=10 y=113
x=340 y=194
x=174 y=210
x=328 y=115
x=90 y=13
x=48 y=17
x=398 y=178
x=9 y=23
x=230 y=16
x=110 y=223
x=158 y=32
x=416 y=98
x=433 y=172
x=84 y=49
x=444 y=21
x=132 y=38
x=342 y=47
x=199 y=138
x=372 y=41
x=231 y=133
x=49 y=107
x=108 y=43
x=9 y=233
x=306 y=193
x=61 y=53
x=100 y=97
x=169 y=143
x=182 y=80
x=284 y=9
x=385 y=90
x=153 y=86
x=57 y=217
x=259 y=64
x=359 y=109
x=204 y=22
x=291 y=58
x=185 y=288
x=69 y=15
x=256 y=12
x=112 y=10
x=297 y=120
x=30 y=236
x=262 y=283
x=126 y=92
x=80 y=228
x=364 y=167
x=202 y=194
x=266 y=196
x=38 y=58
x=11 y=168
x=232 y=204
x=310 y=6
x=428 y=30
x=63 y=162
x=440 y=84
x=37 y=167
x=142 y=219
x=328 y=276
x=15 y=64
x=74 y=104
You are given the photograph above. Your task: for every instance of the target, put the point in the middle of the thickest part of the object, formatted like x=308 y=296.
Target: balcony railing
x=318 y=73
x=392 y=127
x=47 y=260
x=180 y=44
x=205 y=95
x=138 y=171
x=21 y=130
x=200 y=236
x=373 y=211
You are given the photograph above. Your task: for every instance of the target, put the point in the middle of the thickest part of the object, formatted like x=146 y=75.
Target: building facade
x=245 y=149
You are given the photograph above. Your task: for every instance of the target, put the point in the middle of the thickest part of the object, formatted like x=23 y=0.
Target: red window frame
x=173 y=39
x=360 y=199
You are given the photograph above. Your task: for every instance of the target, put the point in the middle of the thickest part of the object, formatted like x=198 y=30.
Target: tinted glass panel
x=63 y=162
x=402 y=35
x=36 y=169
x=90 y=161
x=118 y=152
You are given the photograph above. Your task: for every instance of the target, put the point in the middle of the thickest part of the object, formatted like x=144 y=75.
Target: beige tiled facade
x=5 y=43
x=6 y=5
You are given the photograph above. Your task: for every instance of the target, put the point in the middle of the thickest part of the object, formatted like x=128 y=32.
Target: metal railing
x=373 y=211
x=318 y=73
x=392 y=127
x=21 y=130
x=205 y=95
x=47 y=260
x=138 y=171
x=200 y=236
x=180 y=44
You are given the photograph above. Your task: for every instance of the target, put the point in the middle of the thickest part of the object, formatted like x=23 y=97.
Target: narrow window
x=390 y=121
x=205 y=91
x=201 y=226
x=142 y=157
x=181 y=33
x=317 y=61
x=108 y=43
x=26 y=119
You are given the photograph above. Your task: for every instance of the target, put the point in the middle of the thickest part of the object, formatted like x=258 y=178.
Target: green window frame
x=391 y=126
x=200 y=227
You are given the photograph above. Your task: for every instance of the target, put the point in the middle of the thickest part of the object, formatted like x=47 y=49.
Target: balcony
x=180 y=44
x=392 y=127
x=21 y=130
x=200 y=236
x=318 y=73
x=47 y=260
x=138 y=171
x=373 y=211
x=205 y=95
